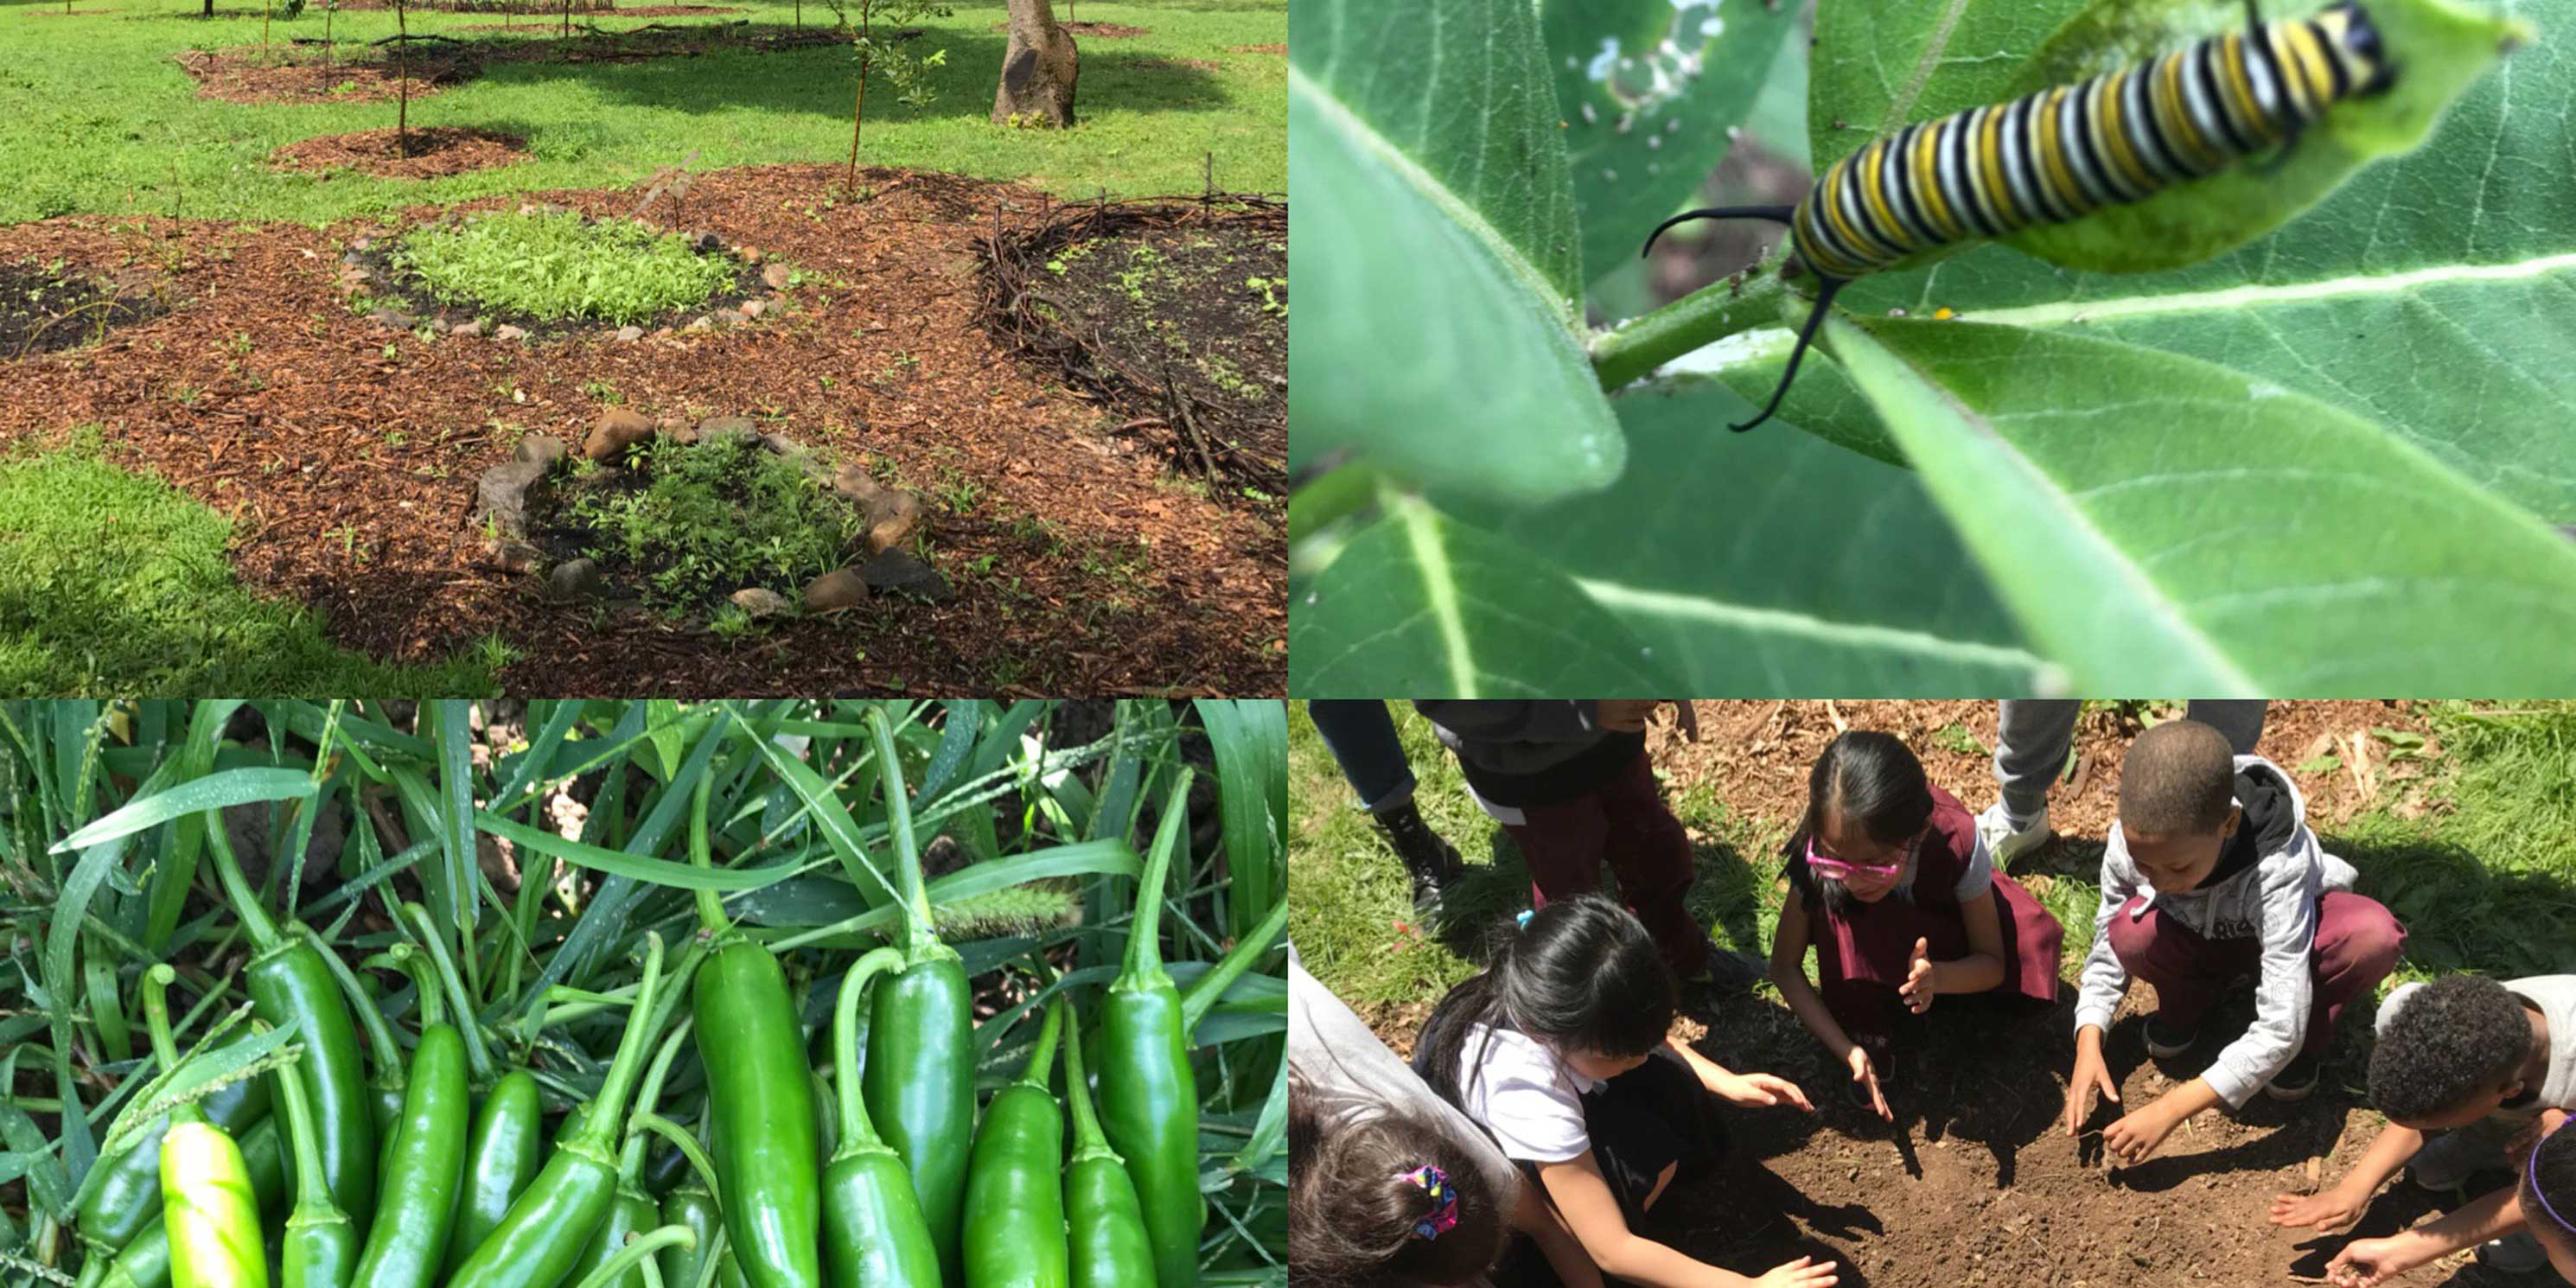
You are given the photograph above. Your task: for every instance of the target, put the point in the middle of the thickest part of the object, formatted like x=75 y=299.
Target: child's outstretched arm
x=2368 y=1263
x=1584 y=1197
x=2105 y=982
x=1749 y=1090
x=1789 y=975
x=1565 y=1255
x=1981 y=969
x=2336 y=1209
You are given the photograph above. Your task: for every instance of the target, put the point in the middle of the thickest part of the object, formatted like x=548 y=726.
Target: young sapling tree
x=880 y=38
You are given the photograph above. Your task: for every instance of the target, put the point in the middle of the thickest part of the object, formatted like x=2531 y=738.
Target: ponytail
x=1358 y=1207
x=1580 y=974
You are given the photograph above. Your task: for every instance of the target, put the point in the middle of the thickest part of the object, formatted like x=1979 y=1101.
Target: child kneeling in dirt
x=2211 y=874
x=1891 y=883
x=1558 y=1050
x=2463 y=1064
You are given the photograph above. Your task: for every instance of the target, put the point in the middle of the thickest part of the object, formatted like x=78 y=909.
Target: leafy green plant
x=560 y=266
x=715 y=517
x=877 y=38
x=2316 y=462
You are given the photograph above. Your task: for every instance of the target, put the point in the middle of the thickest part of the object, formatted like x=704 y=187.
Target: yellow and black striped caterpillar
x=2064 y=152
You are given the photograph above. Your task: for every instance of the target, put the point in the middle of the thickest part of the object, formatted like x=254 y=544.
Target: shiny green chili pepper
x=759 y=1091
x=920 y=1072
x=1014 y=1229
x=874 y=1235
x=426 y=1170
x=1149 y=1103
x=690 y=1203
x=542 y=1235
x=1104 y=1223
x=145 y=1263
x=127 y=1195
x=500 y=1159
x=290 y=985
x=210 y=1209
x=321 y=1245
x=633 y=1212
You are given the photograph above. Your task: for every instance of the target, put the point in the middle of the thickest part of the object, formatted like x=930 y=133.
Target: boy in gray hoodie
x=2211 y=874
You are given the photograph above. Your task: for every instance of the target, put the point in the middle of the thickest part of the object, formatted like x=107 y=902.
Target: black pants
x=1654 y=1116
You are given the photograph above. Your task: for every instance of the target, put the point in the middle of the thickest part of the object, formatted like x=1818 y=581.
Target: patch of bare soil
x=293 y=75
x=425 y=154
x=1256 y=49
x=348 y=464
x=44 y=308
x=1176 y=314
x=1104 y=30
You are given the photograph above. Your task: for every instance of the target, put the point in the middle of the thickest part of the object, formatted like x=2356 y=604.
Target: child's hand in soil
x=2368 y=1263
x=2327 y=1211
x=1866 y=1075
x=2137 y=1134
x=1805 y=1272
x=1754 y=1090
x=2091 y=1075
x=1917 y=988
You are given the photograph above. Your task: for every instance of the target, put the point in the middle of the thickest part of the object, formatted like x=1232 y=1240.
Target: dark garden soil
x=42 y=310
x=1104 y=30
x=284 y=75
x=1148 y=305
x=347 y=462
x=430 y=153
x=1977 y=1183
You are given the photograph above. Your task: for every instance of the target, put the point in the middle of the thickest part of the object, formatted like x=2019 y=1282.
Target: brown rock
x=759 y=602
x=727 y=427
x=855 y=484
x=619 y=429
x=775 y=277
x=510 y=333
x=501 y=495
x=893 y=514
x=895 y=570
x=544 y=449
x=472 y=328
x=701 y=323
x=752 y=255
x=836 y=590
x=575 y=579
x=512 y=555
x=753 y=308
x=391 y=319
x=630 y=334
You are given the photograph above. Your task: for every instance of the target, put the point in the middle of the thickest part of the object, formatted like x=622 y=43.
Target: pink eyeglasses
x=1826 y=865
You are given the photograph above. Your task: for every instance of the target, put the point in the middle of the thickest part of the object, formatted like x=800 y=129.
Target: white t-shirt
x=1359 y=1080
x=1524 y=1095
x=2554 y=996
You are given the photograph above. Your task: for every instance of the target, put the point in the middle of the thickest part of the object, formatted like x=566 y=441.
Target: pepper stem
x=1144 y=933
x=599 y=1126
x=857 y=1134
x=387 y=1054
x=711 y=912
x=690 y=1149
x=922 y=936
x=312 y=1184
x=1041 y=1068
x=477 y=1056
x=1088 y=1140
x=424 y=980
x=1206 y=989
x=638 y=1248
x=254 y=918
x=630 y=1164
x=156 y=1021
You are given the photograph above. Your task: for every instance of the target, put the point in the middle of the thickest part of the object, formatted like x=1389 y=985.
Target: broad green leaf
x=1425 y=606
x=1652 y=92
x=661 y=872
x=214 y=791
x=2164 y=523
x=1434 y=254
x=1771 y=563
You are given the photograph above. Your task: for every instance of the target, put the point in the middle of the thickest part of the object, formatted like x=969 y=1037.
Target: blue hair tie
x=1522 y=921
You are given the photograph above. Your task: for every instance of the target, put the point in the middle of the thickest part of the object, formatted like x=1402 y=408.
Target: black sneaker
x=2165 y=1041
x=2295 y=1081
x=1431 y=860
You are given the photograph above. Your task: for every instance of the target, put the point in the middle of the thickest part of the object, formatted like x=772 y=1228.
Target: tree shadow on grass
x=2459 y=913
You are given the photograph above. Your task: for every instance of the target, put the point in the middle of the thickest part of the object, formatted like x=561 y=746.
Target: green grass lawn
x=112 y=582
x=102 y=120
x=2485 y=879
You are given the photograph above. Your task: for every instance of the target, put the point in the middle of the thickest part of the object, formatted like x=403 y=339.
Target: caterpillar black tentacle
x=2065 y=152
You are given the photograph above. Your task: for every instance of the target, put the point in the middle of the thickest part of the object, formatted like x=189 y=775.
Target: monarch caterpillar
x=2065 y=152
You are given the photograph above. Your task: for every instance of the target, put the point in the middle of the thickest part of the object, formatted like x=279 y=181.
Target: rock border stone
x=507 y=494
x=363 y=271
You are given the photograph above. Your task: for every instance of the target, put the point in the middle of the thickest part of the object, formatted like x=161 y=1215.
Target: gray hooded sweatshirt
x=2273 y=900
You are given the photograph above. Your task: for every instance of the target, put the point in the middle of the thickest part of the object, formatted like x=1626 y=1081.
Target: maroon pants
x=1626 y=823
x=2357 y=945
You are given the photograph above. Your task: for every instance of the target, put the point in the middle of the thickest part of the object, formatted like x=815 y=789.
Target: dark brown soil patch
x=432 y=153
x=288 y=74
x=348 y=469
x=43 y=308
x=1104 y=30
x=1152 y=307
x=1158 y=64
x=1256 y=49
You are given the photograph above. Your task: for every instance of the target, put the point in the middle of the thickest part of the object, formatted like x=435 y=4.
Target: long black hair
x=2547 y=1191
x=1580 y=975
x=1873 y=779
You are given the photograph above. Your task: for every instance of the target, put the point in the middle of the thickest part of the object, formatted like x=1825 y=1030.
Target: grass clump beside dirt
x=112 y=582
x=560 y=267
x=696 y=523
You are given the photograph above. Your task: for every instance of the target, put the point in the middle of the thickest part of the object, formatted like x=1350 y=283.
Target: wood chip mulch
x=434 y=152
x=253 y=75
x=1104 y=30
x=347 y=464
x=1256 y=49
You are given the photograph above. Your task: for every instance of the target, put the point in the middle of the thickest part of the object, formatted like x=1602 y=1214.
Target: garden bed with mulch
x=309 y=71
x=44 y=307
x=351 y=73
x=428 y=153
x=346 y=460
x=1256 y=49
x=1104 y=30
x=1172 y=312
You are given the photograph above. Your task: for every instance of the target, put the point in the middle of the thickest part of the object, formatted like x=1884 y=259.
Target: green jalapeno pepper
x=759 y=1092
x=1104 y=1223
x=633 y=1212
x=127 y=1195
x=320 y=1245
x=1149 y=1104
x=500 y=1159
x=210 y=1209
x=1014 y=1228
x=145 y=1263
x=426 y=1169
x=874 y=1235
x=920 y=1073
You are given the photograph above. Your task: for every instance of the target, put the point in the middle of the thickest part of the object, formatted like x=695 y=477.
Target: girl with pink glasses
x=1890 y=885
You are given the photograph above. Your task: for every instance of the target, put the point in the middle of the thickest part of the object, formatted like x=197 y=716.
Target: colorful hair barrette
x=1444 y=1213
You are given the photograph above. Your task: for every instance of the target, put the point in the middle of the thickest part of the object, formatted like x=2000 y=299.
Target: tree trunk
x=1038 y=68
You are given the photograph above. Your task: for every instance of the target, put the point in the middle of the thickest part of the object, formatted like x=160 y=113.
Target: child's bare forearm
x=1810 y=1009
x=1645 y=1261
x=1564 y=1252
x=2394 y=1146
x=2187 y=1101
x=1974 y=973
